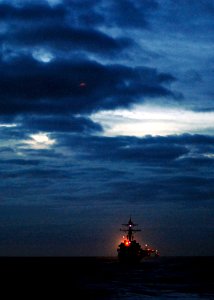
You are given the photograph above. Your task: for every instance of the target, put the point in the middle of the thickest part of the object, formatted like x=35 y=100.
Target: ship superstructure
x=130 y=249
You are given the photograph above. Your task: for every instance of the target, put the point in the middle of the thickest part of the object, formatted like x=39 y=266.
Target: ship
x=130 y=250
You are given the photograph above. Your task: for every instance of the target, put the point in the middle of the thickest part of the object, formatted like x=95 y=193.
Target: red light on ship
x=127 y=243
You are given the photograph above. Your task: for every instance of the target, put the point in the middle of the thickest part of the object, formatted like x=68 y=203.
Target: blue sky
x=106 y=110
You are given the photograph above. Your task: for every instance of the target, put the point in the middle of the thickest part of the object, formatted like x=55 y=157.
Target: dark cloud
x=55 y=29
x=127 y=143
x=61 y=124
x=153 y=153
x=180 y=149
x=31 y=13
x=191 y=139
x=21 y=162
x=6 y=150
x=125 y=14
x=13 y=134
x=129 y=14
x=196 y=162
x=67 y=39
x=29 y=86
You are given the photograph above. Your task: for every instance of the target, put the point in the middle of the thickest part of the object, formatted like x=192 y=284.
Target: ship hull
x=131 y=253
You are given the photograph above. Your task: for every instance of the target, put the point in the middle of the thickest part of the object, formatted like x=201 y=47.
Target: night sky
x=106 y=111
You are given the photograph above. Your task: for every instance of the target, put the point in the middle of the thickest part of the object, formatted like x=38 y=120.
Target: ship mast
x=130 y=230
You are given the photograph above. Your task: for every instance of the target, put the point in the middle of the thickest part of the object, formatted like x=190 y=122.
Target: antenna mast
x=130 y=230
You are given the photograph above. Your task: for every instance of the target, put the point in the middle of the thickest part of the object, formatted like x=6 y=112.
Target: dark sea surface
x=106 y=278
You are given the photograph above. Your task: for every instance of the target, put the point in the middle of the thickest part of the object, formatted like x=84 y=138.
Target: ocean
x=106 y=278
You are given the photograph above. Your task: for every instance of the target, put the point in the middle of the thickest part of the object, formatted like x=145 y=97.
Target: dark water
x=106 y=278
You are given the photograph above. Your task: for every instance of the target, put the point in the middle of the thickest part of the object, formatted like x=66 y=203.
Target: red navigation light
x=127 y=243
x=82 y=85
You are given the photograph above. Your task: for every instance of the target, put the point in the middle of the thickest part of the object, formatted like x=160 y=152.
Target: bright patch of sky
x=39 y=141
x=8 y=125
x=209 y=155
x=43 y=55
x=145 y=120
